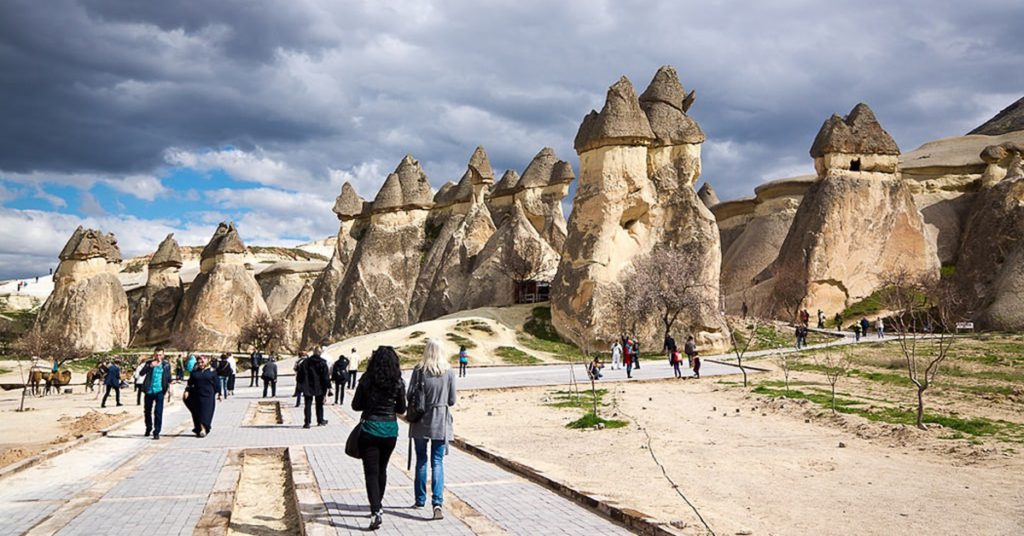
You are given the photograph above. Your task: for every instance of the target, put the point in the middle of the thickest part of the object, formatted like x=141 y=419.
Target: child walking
x=463 y=361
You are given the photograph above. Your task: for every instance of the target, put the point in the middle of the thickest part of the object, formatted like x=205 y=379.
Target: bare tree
x=923 y=304
x=628 y=305
x=521 y=262
x=262 y=333
x=583 y=331
x=834 y=365
x=741 y=343
x=663 y=281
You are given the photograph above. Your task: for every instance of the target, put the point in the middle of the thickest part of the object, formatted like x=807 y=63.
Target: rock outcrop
x=282 y=281
x=464 y=226
x=88 y=305
x=294 y=318
x=385 y=264
x=707 y=195
x=854 y=224
x=353 y=214
x=753 y=231
x=222 y=299
x=1009 y=119
x=991 y=256
x=636 y=193
x=538 y=193
x=161 y=296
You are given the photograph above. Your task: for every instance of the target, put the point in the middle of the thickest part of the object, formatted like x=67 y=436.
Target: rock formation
x=381 y=274
x=855 y=223
x=222 y=299
x=161 y=296
x=463 y=226
x=88 y=304
x=294 y=318
x=639 y=160
x=282 y=281
x=991 y=256
x=1009 y=119
x=707 y=195
x=752 y=232
x=324 y=300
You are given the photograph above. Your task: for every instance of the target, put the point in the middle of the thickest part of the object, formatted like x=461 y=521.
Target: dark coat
x=314 y=377
x=202 y=395
x=378 y=405
x=147 y=377
x=270 y=371
x=339 y=371
x=113 y=377
x=670 y=344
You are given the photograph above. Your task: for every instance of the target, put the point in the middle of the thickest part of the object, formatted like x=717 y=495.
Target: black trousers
x=376 y=453
x=319 y=408
x=138 y=394
x=254 y=379
x=352 y=373
x=339 y=392
x=273 y=388
x=117 y=395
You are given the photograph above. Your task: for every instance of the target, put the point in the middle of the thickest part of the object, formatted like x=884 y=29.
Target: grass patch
x=467 y=326
x=460 y=340
x=416 y=334
x=585 y=400
x=409 y=354
x=540 y=335
x=589 y=420
x=514 y=356
x=866 y=307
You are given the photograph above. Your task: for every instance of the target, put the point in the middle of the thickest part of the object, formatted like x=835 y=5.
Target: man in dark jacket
x=156 y=381
x=112 y=380
x=270 y=377
x=255 y=361
x=669 y=347
x=314 y=379
x=339 y=375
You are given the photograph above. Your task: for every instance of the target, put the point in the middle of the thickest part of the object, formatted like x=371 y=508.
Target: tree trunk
x=920 y=409
x=833 y=399
x=593 y=393
x=739 y=363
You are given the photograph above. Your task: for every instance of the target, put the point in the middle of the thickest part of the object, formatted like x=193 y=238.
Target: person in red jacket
x=628 y=357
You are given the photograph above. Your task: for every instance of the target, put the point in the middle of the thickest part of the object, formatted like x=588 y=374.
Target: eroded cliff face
x=991 y=254
x=88 y=304
x=639 y=161
x=857 y=222
x=161 y=296
x=222 y=299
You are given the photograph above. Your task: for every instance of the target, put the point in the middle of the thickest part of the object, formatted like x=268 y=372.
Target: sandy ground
x=257 y=512
x=54 y=419
x=749 y=464
x=503 y=322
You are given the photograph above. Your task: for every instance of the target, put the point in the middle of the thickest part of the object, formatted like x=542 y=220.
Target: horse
x=91 y=377
x=51 y=379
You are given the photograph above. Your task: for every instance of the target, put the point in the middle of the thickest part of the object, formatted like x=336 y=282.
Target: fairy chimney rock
x=168 y=254
x=663 y=104
x=856 y=143
x=620 y=122
x=224 y=247
x=404 y=189
x=707 y=195
x=348 y=204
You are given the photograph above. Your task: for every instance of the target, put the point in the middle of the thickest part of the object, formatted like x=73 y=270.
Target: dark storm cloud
x=111 y=86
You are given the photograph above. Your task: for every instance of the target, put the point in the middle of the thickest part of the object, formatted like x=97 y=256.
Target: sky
x=146 y=118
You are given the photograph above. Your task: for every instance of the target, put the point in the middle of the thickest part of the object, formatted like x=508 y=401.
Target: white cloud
x=253 y=166
x=56 y=201
x=89 y=206
x=145 y=187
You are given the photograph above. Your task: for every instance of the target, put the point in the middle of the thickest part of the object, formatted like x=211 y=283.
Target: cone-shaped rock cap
x=621 y=121
x=545 y=169
x=167 y=254
x=348 y=204
x=480 y=165
x=663 y=103
x=857 y=133
x=446 y=195
x=1010 y=119
x=707 y=195
x=407 y=187
x=509 y=181
x=89 y=244
x=225 y=240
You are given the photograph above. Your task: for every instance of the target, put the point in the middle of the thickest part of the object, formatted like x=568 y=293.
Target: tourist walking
x=821 y=319
x=223 y=374
x=255 y=362
x=190 y=363
x=839 y=321
x=112 y=380
x=434 y=429
x=627 y=357
x=864 y=325
x=137 y=382
x=269 y=376
x=856 y=332
x=696 y=364
x=233 y=364
x=616 y=356
x=157 y=379
x=805 y=317
x=677 y=360
x=669 y=347
x=690 y=348
x=314 y=377
x=636 y=354
x=380 y=395
x=298 y=387
x=179 y=369
x=880 y=328
x=339 y=375
x=353 y=369
x=200 y=396
x=463 y=361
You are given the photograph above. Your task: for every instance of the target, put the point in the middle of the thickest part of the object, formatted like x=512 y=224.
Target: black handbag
x=352 y=443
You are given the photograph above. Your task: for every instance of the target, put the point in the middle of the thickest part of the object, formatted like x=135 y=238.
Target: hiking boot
x=438 y=513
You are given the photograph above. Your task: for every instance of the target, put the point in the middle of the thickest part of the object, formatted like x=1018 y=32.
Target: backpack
x=417 y=398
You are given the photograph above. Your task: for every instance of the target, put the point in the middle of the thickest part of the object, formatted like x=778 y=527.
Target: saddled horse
x=37 y=377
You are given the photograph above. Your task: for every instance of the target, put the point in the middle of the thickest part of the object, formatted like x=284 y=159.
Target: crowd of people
x=625 y=354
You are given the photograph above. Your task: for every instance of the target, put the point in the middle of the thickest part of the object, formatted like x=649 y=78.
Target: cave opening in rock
x=855 y=164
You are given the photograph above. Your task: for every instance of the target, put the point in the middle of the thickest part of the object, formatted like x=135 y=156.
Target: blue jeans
x=154 y=409
x=222 y=383
x=437 y=450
